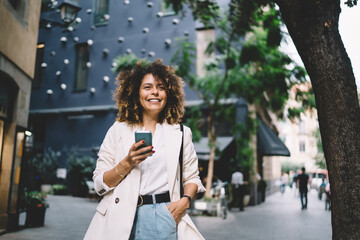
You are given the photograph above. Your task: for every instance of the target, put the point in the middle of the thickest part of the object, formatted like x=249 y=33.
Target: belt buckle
x=142 y=201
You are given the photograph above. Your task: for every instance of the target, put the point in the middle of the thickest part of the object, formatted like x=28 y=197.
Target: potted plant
x=35 y=208
x=262 y=185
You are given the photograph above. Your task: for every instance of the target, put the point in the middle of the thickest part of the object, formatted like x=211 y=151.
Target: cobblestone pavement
x=279 y=217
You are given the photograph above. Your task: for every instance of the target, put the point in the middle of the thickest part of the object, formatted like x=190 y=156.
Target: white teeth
x=154 y=100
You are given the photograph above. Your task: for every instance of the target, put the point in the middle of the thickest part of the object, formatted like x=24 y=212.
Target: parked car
x=318 y=177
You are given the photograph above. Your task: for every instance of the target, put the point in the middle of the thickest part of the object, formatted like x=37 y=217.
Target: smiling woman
x=141 y=184
x=127 y=93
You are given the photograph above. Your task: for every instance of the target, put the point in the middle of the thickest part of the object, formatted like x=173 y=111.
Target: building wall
x=62 y=111
x=103 y=37
x=297 y=131
x=21 y=31
x=203 y=38
x=18 y=31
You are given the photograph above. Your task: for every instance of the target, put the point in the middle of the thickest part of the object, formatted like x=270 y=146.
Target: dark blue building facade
x=71 y=100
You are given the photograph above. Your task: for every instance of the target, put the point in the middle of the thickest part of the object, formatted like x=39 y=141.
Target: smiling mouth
x=154 y=100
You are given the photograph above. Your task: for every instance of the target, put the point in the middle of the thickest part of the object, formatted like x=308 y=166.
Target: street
x=280 y=217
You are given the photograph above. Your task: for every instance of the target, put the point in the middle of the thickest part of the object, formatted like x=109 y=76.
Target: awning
x=203 y=150
x=268 y=143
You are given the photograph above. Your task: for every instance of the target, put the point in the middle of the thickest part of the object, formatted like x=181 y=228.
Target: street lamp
x=68 y=11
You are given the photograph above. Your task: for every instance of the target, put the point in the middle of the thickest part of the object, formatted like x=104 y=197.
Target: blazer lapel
x=172 y=150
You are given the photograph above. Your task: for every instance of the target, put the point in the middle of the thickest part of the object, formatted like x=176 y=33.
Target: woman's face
x=152 y=95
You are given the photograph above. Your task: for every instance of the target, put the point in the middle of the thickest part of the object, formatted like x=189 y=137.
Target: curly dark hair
x=127 y=93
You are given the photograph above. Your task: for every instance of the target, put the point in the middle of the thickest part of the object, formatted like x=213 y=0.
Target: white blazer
x=116 y=211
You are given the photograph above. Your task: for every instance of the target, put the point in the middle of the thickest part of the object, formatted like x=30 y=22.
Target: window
x=8 y=95
x=19 y=9
x=15 y=3
x=166 y=10
x=39 y=59
x=101 y=11
x=302 y=127
x=302 y=146
x=81 y=70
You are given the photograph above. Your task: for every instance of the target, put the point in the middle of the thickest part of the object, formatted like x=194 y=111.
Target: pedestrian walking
x=303 y=180
x=284 y=181
x=141 y=186
x=328 y=197
x=237 y=181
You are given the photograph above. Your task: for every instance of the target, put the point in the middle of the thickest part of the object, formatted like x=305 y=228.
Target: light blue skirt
x=153 y=221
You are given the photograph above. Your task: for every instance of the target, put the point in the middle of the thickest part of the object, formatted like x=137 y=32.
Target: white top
x=154 y=177
x=237 y=178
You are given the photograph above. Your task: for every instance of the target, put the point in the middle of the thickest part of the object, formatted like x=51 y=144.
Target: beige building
x=18 y=41
x=298 y=136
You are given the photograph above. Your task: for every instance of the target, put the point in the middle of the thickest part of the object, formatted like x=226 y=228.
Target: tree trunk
x=210 y=174
x=313 y=26
x=211 y=137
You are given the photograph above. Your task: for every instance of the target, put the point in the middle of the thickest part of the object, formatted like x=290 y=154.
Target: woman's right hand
x=135 y=155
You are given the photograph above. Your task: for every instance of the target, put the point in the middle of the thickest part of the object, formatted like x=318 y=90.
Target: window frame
x=99 y=15
x=76 y=87
x=302 y=146
x=166 y=11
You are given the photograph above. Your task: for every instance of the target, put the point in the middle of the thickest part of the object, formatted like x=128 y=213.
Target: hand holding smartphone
x=145 y=136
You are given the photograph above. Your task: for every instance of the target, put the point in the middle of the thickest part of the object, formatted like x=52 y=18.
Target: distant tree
x=251 y=67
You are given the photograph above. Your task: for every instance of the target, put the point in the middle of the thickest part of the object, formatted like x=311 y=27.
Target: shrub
x=80 y=170
x=44 y=166
x=59 y=189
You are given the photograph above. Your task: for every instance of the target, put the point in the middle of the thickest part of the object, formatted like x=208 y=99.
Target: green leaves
x=44 y=165
x=351 y=3
x=35 y=199
x=206 y=11
x=183 y=59
x=248 y=63
x=306 y=98
x=127 y=62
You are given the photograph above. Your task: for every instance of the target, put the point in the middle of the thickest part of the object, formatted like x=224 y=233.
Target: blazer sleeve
x=190 y=167
x=105 y=161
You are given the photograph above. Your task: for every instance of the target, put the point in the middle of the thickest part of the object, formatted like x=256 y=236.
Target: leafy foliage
x=290 y=166
x=351 y=3
x=35 y=199
x=44 y=165
x=204 y=10
x=307 y=100
x=242 y=134
x=249 y=66
x=127 y=62
x=80 y=170
x=59 y=189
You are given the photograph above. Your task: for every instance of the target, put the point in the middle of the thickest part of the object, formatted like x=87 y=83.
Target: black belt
x=148 y=199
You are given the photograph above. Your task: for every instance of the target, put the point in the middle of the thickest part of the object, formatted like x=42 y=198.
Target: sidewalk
x=280 y=217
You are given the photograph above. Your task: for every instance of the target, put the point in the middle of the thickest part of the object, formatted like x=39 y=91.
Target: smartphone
x=146 y=136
